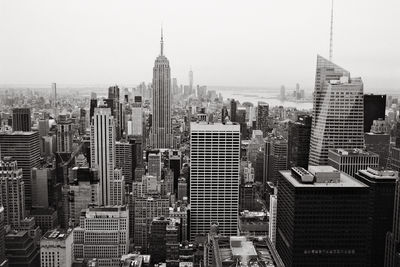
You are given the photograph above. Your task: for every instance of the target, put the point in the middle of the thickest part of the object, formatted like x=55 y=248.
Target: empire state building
x=161 y=133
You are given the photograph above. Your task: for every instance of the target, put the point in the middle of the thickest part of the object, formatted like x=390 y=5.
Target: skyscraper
x=12 y=192
x=392 y=247
x=374 y=109
x=262 y=117
x=233 y=110
x=102 y=141
x=337 y=113
x=22 y=147
x=191 y=80
x=350 y=161
x=64 y=135
x=116 y=109
x=378 y=141
x=214 y=177
x=3 y=259
x=299 y=134
x=161 y=131
x=21 y=119
x=382 y=185
x=322 y=218
x=125 y=159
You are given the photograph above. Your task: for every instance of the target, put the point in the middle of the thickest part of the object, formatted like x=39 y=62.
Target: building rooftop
x=380 y=174
x=324 y=176
x=56 y=234
x=204 y=126
x=242 y=248
x=351 y=152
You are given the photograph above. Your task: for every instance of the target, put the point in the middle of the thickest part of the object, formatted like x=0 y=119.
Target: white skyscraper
x=135 y=124
x=338 y=113
x=102 y=141
x=214 y=177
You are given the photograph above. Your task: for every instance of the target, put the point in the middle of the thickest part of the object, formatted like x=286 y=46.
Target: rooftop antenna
x=331 y=36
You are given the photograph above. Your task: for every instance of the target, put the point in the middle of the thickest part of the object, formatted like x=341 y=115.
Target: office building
x=12 y=192
x=161 y=131
x=262 y=117
x=135 y=124
x=80 y=194
x=392 y=246
x=382 y=186
x=350 y=161
x=395 y=158
x=56 y=248
x=145 y=209
x=338 y=115
x=374 y=109
x=21 y=250
x=214 y=177
x=21 y=119
x=233 y=110
x=22 y=147
x=45 y=218
x=45 y=189
x=154 y=164
x=317 y=233
x=102 y=141
x=3 y=259
x=299 y=134
x=102 y=234
x=378 y=141
x=124 y=159
x=64 y=134
x=275 y=159
x=273 y=204
x=116 y=109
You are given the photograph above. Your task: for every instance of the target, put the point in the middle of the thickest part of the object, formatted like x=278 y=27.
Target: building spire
x=331 y=36
x=162 y=42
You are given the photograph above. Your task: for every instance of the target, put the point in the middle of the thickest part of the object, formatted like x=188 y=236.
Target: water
x=256 y=94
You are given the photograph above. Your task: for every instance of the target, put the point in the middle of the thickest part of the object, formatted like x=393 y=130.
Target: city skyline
x=109 y=51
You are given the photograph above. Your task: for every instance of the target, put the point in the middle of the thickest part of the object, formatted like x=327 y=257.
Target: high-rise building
x=273 y=204
x=395 y=158
x=378 y=141
x=64 y=135
x=350 y=161
x=191 y=81
x=233 y=110
x=135 y=124
x=299 y=134
x=56 y=248
x=45 y=187
x=275 y=158
x=21 y=250
x=102 y=234
x=154 y=164
x=382 y=185
x=102 y=150
x=3 y=259
x=21 y=119
x=78 y=195
x=374 y=109
x=22 y=147
x=12 y=192
x=124 y=159
x=214 y=177
x=322 y=217
x=161 y=131
x=262 y=117
x=392 y=246
x=116 y=109
x=338 y=115
x=146 y=208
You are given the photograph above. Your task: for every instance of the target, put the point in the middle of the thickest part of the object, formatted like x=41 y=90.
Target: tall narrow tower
x=102 y=141
x=161 y=133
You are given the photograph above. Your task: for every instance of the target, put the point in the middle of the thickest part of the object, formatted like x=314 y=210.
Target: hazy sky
x=254 y=43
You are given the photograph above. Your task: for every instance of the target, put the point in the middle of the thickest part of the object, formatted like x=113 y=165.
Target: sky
x=263 y=43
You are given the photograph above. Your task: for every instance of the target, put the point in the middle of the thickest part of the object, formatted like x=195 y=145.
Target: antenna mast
x=331 y=36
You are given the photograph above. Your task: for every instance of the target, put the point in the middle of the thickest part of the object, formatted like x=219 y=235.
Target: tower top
x=331 y=36
x=162 y=42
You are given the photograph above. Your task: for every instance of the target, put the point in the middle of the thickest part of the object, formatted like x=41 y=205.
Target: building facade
x=214 y=177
